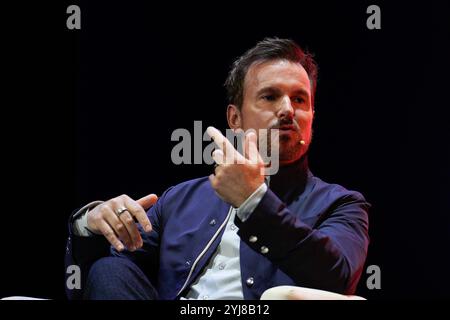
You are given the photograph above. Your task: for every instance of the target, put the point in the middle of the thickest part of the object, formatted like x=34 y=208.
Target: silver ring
x=121 y=210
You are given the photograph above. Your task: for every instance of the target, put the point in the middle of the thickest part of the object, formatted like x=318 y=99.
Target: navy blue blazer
x=316 y=233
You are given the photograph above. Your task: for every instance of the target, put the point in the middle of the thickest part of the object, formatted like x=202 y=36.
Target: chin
x=290 y=157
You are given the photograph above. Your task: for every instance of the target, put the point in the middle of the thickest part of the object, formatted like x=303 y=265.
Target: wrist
x=247 y=195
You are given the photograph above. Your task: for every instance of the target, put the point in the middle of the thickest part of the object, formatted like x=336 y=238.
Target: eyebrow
x=300 y=91
x=268 y=90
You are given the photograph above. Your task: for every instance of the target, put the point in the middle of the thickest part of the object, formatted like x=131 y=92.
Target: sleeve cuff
x=249 y=205
x=80 y=225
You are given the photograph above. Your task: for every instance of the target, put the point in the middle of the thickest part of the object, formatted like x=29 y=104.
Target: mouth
x=286 y=128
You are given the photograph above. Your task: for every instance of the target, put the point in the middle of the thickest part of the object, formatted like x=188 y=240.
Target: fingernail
x=120 y=247
x=148 y=228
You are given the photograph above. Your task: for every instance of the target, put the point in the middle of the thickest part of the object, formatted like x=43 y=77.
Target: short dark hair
x=266 y=50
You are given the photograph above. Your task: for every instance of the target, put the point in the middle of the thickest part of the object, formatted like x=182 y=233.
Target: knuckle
x=124 y=197
x=133 y=208
x=103 y=208
x=114 y=202
x=109 y=234
x=128 y=219
x=140 y=213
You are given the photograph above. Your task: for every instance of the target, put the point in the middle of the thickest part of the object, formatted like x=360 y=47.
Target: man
x=234 y=234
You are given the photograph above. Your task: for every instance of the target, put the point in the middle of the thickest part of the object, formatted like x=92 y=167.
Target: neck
x=290 y=179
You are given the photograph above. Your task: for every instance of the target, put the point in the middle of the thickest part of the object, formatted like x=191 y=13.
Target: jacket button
x=250 y=281
x=212 y=222
x=253 y=239
x=264 y=249
x=188 y=263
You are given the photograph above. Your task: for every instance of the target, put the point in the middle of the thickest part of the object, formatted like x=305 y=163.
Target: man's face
x=277 y=95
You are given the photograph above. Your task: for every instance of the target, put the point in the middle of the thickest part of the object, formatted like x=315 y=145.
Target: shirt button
x=233 y=227
x=205 y=297
x=221 y=266
x=264 y=249
x=253 y=239
x=212 y=222
x=250 y=281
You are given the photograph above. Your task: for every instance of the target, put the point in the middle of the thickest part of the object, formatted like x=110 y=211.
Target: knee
x=106 y=272
x=114 y=278
x=109 y=265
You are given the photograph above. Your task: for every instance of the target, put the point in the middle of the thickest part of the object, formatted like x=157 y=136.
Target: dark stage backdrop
x=89 y=114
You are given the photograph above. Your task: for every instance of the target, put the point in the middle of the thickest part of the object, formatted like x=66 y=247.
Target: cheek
x=304 y=119
x=257 y=119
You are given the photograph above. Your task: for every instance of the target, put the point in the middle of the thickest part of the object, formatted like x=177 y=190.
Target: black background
x=89 y=114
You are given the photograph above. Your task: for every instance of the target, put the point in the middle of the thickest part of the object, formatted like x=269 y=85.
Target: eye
x=299 y=100
x=268 y=97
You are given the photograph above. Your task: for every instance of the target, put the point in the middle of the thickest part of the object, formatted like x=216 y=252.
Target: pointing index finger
x=222 y=142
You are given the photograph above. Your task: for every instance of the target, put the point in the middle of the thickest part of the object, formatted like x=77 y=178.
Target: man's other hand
x=115 y=218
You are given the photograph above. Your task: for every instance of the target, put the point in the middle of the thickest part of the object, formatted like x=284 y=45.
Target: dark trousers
x=115 y=278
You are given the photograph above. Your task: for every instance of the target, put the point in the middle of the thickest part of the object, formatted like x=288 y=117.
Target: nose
x=285 y=110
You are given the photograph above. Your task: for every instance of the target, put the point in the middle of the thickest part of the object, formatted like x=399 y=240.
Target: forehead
x=277 y=73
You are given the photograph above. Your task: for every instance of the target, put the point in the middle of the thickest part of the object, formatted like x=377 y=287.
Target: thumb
x=147 y=201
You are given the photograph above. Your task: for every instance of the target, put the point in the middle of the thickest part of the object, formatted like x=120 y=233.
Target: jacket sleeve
x=329 y=256
x=82 y=252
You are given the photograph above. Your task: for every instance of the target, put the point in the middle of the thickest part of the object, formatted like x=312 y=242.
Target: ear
x=234 y=117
